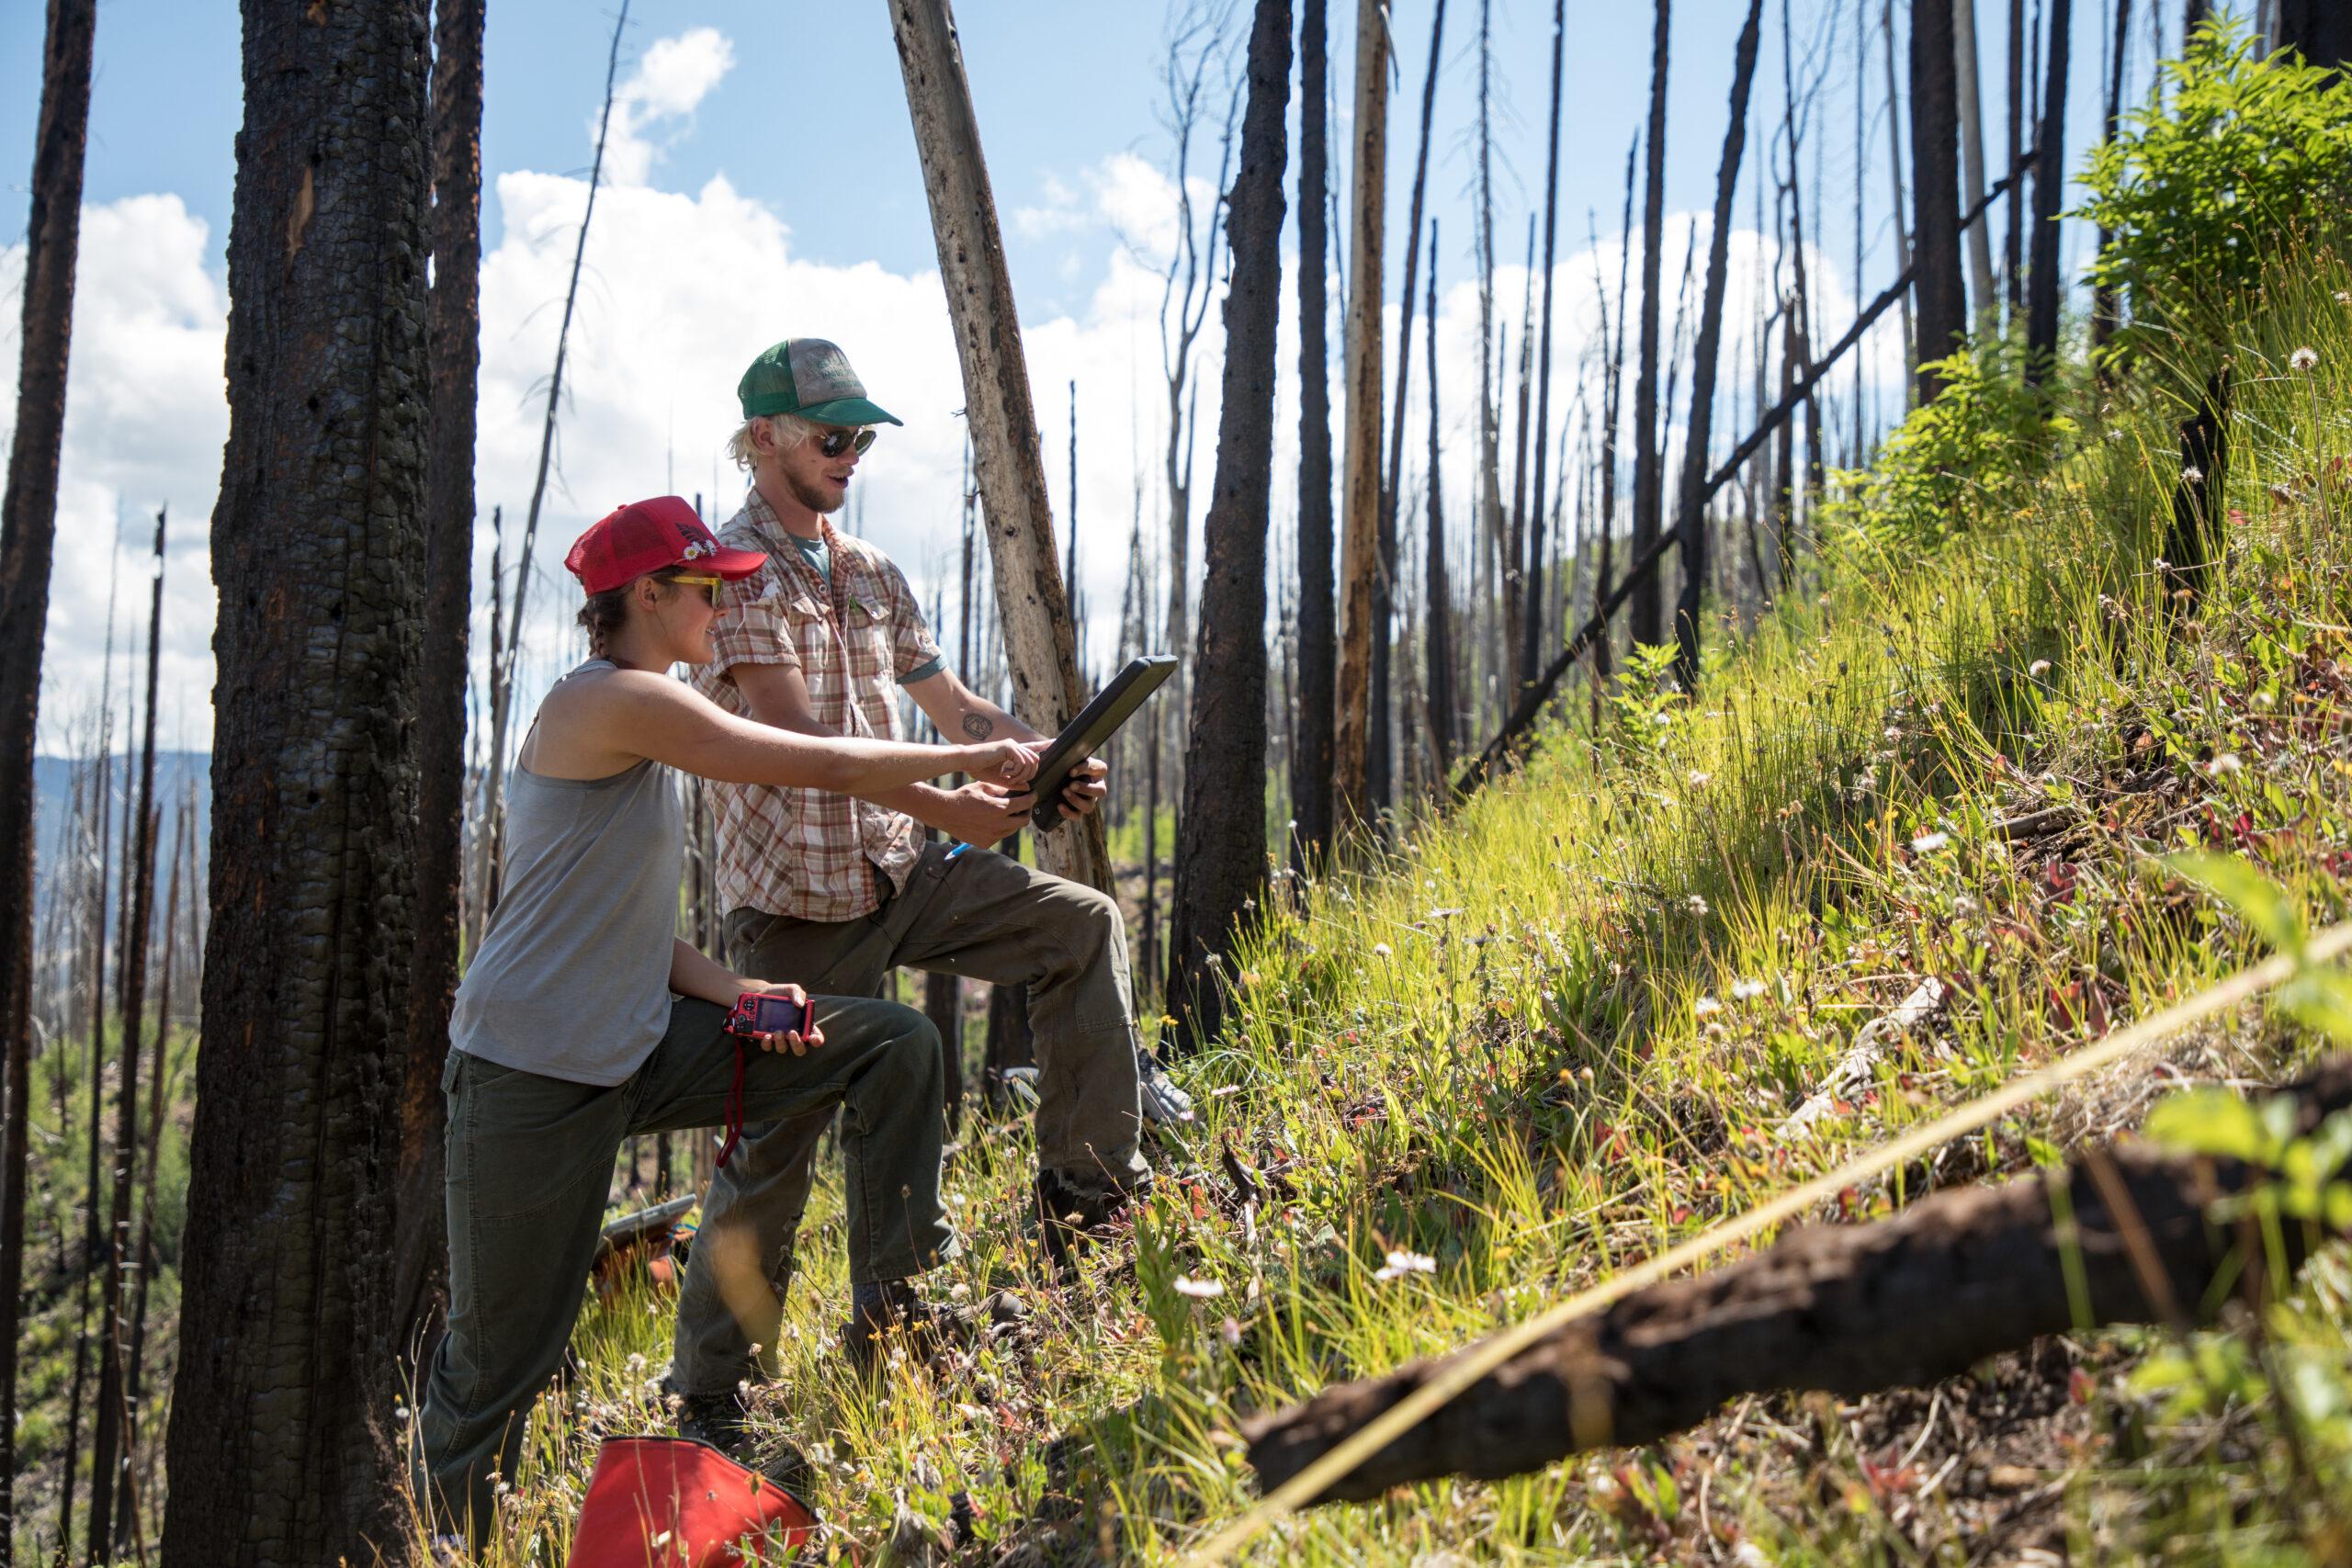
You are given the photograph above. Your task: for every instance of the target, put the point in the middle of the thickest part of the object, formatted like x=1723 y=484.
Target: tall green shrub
x=2237 y=158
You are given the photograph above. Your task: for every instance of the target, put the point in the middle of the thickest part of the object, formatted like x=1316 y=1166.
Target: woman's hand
x=1004 y=762
x=801 y=1041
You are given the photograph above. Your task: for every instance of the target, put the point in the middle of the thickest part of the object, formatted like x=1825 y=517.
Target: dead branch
x=2126 y=1235
x=1853 y=1069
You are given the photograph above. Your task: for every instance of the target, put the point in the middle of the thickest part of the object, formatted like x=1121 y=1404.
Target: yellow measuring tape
x=1489 y=1354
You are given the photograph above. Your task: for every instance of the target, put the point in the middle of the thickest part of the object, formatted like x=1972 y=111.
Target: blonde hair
x=786 y=431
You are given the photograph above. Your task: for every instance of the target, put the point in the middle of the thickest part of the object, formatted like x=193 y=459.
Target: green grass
x=1552 y=1034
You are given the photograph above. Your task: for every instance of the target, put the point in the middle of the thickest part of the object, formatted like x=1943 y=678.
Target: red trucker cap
x=646 y=535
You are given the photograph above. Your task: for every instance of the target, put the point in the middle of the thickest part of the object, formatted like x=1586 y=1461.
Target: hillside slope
x=1556 y=1031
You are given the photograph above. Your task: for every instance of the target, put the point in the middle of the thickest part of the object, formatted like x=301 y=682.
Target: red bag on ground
x=675 y=1502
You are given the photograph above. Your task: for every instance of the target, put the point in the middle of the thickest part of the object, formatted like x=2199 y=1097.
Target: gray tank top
x=572 y=980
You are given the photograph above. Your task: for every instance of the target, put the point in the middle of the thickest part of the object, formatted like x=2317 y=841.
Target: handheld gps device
x=1095 y=723
x=765 y=1013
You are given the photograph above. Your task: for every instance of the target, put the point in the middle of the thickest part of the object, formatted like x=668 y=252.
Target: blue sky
x=769 y=187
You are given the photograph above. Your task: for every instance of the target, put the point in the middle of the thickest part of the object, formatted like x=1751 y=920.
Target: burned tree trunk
x=2127 y=1236
x=1360 y=454
x=1040 y=641
x=1378 y=783
x=1648 y=616
x=27 y=538
x=1221 y=858
x=1935 y=190
x=453 y=330
x=110 y=1438
x=2049 y=187
x=1531 y=618
x=318 y=548
x=2103 y=296
x=1437 y=626
x=1689 y=511
x=1310 y=770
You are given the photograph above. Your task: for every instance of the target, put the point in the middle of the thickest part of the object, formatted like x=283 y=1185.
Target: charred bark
x=1310 y=772
x=453 y=331
x=1531 y=620
x=2127 y=1236
x=110 y=1439
x=1438 y=623
x=1221 y=837
x=286 y=1362
x=1691 y=512
x=27 y=538
x=1942 y=306
x=1647 y=617
x=2049 y=185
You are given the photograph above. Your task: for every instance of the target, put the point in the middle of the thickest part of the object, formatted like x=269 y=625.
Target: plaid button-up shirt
x=804 y=852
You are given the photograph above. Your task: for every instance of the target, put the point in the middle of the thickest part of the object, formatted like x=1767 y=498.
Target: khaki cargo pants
x=981 y=916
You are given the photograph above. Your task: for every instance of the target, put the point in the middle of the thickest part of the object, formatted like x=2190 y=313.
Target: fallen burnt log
x=2122 y=1235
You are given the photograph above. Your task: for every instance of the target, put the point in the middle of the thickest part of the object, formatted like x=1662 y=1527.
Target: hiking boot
x=895 y=1317
x=722 y=1420
x=1164 y=1103
x=1069 y=1217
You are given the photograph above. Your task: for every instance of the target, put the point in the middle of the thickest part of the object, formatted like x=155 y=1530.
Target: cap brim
x=734 y=565
x=848 y=411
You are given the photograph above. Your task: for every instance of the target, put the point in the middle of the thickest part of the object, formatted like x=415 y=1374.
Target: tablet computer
x=1095 y=723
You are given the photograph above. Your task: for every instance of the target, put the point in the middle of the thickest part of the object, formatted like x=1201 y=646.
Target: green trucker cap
x=810 y=378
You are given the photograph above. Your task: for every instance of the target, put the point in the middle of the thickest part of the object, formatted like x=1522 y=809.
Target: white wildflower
x=1400 y=1264
x=1380 y=949
x=2227 y=762
x=1928 y=843
x=2039 y=668
x=1199 y=1290
x=2189 y=474
x=1704 y=1006
x=1747 y=991
x=1699 y=780
x=2304 y=358
x=1696 y=905
x=1748 y=1554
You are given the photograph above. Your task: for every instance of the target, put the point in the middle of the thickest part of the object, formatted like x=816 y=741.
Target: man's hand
x=981 y=814
x=1085 y=787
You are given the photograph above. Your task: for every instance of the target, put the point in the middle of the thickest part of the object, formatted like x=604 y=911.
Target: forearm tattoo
x=978 y=725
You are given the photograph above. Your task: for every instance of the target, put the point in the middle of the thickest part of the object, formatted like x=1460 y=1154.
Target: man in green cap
x=831 y=891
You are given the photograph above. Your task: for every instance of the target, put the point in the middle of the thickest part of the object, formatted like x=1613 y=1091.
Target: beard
x=816 y=498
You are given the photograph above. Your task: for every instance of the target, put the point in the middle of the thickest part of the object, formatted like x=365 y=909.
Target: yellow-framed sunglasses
x=715 y=588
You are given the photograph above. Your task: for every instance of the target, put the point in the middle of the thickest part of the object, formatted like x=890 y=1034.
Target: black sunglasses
x=839 y=439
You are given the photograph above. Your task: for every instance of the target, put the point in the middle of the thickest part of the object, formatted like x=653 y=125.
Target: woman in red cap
x=583 y=1021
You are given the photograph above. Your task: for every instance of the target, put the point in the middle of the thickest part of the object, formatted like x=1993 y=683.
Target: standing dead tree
x=1985 y=311
x=1221 y=858
x=1040 y=641
x=1310 y=770
x=2049 y=187
x=111 y=1437
x=1438 y=622
x=1531 y=618
x=287 y=1361
x=27 y=538
x=1196 y=49
x=1378 y=782
x=2103 y=297
x=1691 y=514
x=454 y=347
x=487 y=845
x=1360 y=454
x=1935 y=190
x=1647 y=618
x=2127 y=1235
